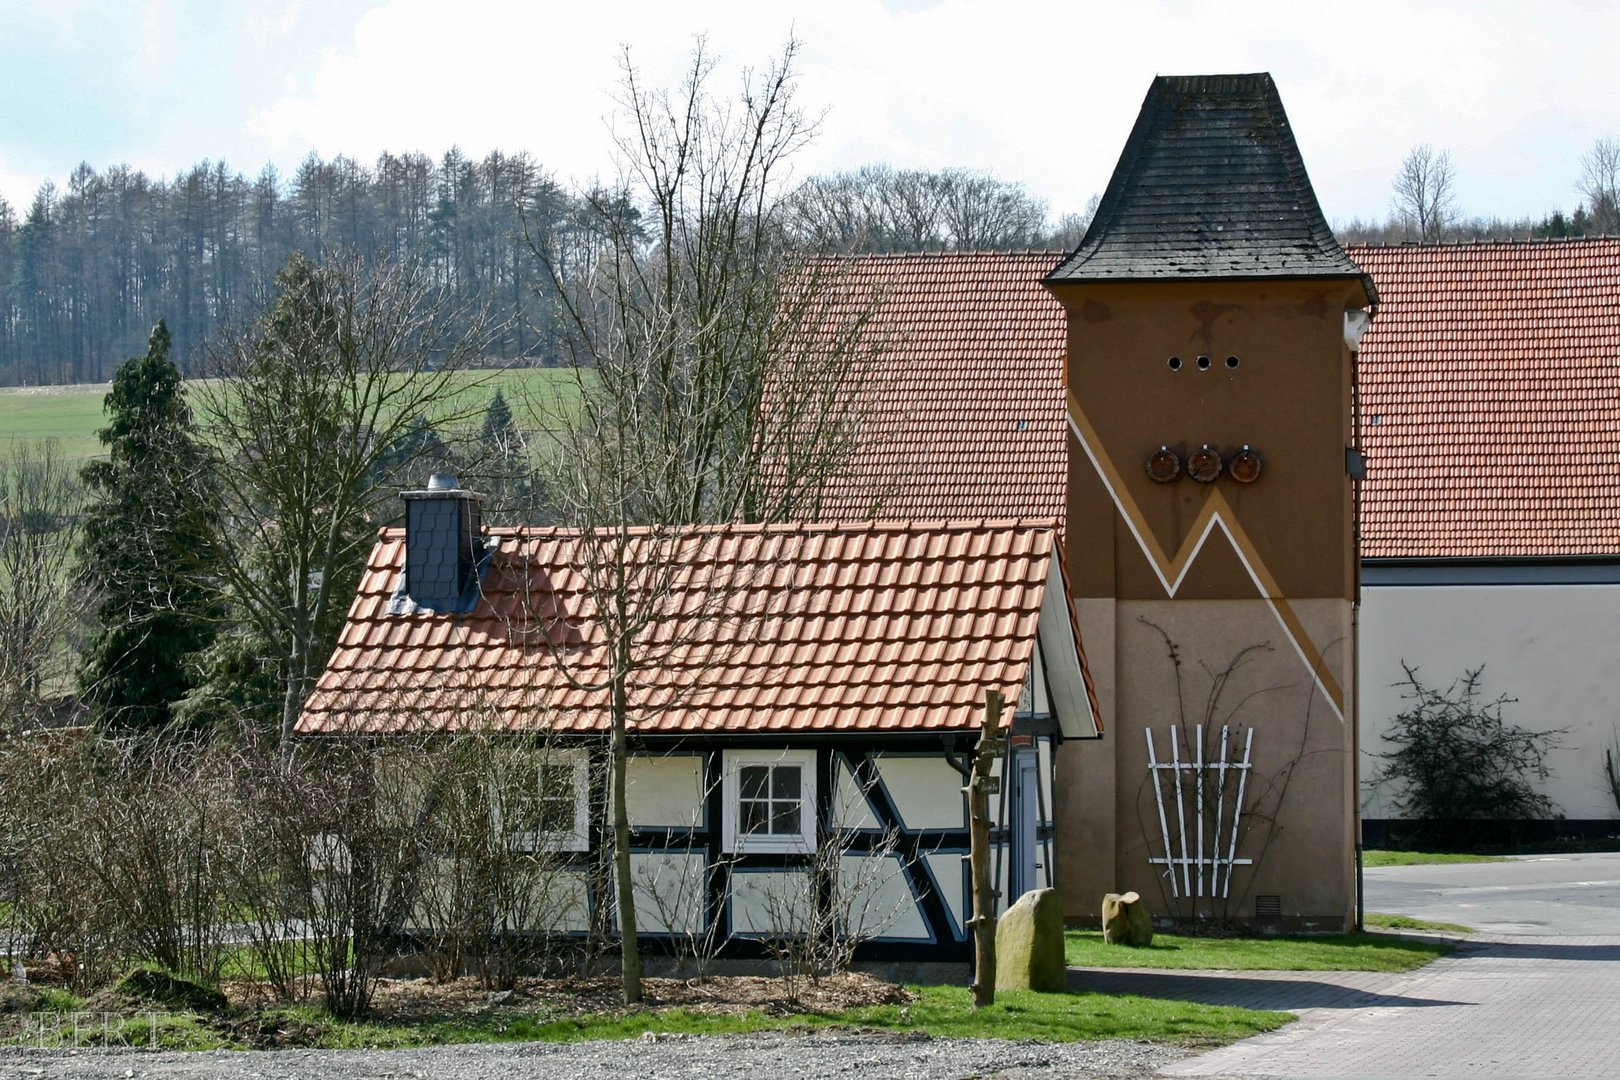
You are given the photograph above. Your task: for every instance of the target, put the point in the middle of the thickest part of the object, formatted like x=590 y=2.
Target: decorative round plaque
x=1163 y=465
x=1204 y=465
x=1245 y=467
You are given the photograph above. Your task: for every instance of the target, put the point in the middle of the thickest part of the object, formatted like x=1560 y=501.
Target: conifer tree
x=503 y=471
x=145 y=539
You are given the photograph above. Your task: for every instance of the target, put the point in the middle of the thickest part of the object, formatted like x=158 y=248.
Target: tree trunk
x=624 y=885
x=292 y=699
x=984 y=891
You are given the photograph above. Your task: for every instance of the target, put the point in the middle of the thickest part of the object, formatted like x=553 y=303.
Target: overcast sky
x=1042 y=93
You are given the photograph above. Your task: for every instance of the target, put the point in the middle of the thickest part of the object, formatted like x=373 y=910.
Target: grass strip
x=1372 y=858
x=1407 y=922
x=1325 y=952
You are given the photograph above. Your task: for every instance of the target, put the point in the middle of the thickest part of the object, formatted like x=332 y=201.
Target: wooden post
x=991 y=746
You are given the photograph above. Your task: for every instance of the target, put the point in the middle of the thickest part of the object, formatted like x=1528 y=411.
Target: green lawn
x=1421 y=858
x=938 y=1011
x=73 y=414
x=1327 y=952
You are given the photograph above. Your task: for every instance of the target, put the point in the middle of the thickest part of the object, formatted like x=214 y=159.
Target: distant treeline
x=88 y=269
x=90 y=266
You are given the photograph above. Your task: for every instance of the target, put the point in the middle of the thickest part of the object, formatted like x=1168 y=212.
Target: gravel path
x=761 y=1057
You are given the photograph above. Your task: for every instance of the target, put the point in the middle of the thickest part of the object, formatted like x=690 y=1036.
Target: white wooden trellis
x=1192 y=872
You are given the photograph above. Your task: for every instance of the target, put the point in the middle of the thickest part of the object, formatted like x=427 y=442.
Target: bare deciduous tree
x=714 y=388
x=315 y=398
x=39 y=601
x=1424 y=195
x=1600 y=183
x=877 y=208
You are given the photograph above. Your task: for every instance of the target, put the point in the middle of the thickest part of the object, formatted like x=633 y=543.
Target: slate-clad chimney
x=443 y=547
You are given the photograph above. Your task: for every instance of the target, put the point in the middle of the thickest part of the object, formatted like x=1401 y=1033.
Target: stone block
x=1126 y=920
x=1029 y=944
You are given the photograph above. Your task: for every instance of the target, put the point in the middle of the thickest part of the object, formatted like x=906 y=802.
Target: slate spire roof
x=1210 y=184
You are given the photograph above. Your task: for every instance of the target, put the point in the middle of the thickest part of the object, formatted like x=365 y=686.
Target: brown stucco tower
x=1211 y=512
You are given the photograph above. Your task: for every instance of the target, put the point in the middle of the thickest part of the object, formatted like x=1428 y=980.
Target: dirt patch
x=255 y=1020
x=418 y=999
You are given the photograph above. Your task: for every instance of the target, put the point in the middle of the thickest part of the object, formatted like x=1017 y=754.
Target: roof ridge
x=1034 y=523
x=1507 y=241
x=948 y=253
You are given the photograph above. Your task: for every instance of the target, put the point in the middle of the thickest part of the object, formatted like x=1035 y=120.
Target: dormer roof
x=1210 y=185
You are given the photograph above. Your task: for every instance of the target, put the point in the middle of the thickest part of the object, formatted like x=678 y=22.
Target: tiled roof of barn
x=1210 y=184
x=1491 y=400
x=869 y=628
x=967 y=414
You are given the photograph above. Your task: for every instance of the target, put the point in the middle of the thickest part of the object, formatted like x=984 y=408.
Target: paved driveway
x=1537 y=995
x=1539 y=894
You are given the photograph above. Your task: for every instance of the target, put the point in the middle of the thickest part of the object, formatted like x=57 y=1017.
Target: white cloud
x=1040 y=91
x=17 y=188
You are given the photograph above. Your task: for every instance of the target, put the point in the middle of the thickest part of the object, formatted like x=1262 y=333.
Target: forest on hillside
x=92 y=264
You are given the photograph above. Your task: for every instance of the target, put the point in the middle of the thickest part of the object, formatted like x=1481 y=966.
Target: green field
x=73 y=414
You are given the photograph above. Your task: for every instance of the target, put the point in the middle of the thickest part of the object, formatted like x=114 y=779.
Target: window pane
x=755 y=780
x=785 y=782
x=556 y=816
x=785 y=819
x=753 y=817
x=557 y=799
x=557 y=782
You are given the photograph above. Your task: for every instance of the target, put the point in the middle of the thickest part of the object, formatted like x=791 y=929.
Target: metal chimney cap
x=443 y=482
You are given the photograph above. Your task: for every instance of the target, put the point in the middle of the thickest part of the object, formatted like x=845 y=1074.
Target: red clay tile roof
x=1491 y=400
x=969 y=413
x=852 y=628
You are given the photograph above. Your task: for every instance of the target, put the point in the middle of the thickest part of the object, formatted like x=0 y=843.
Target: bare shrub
x=346 y=847
x=1456 y=758
x=821 y=914
x=48 y=917
x=40 y=605
x=492 y=892
x=113 y=853
x=1611 y=769
x=154 y=828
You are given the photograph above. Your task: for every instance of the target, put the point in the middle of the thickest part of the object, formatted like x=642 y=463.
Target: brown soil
x=411 y=998
x=409 y=1001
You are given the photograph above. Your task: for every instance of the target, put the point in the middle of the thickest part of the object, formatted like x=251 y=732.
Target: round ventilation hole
x=1203 y=363
x=1175 y=363
x=1231 y=362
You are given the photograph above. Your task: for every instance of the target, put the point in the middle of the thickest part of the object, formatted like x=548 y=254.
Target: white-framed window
x=559 y=816
x=770 y=801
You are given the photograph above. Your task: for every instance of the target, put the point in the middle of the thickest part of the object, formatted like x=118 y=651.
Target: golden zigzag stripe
x=1172 y=571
